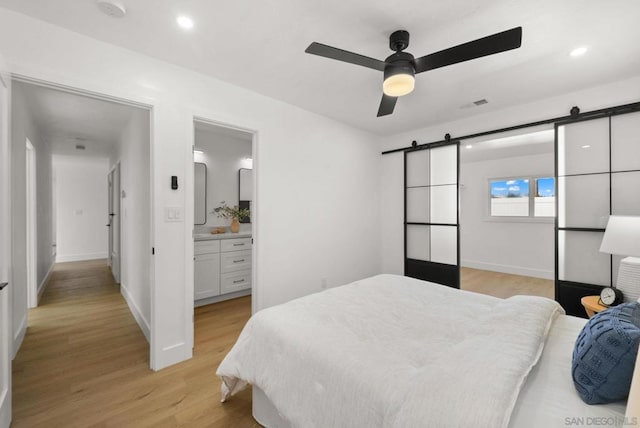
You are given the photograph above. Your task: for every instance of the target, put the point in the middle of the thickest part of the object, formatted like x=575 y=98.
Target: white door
x=114 y=222
x=5 y=253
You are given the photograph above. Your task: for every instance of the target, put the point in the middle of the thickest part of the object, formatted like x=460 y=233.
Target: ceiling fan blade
x=499 y=42
x=387 y=104
x=344 y=56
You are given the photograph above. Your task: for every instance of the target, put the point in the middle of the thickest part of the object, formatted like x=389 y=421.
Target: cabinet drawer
x=235 y=261
x=206 y=247
x=236 y=244
x=235 y=281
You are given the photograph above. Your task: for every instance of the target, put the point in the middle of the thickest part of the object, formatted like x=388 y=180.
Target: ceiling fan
x=401 y=67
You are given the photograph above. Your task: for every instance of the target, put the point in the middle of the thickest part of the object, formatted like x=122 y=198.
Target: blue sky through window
x=518 y=188
x=546 y=187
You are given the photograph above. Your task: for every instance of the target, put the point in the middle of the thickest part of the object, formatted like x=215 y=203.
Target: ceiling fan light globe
x=398 y=85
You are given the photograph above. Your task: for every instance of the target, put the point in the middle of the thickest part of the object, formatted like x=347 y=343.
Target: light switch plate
x=172 y=214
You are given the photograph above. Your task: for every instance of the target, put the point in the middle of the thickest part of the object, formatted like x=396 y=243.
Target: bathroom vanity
x=222 y=267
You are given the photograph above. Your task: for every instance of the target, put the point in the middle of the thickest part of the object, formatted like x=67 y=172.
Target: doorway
x=507 y=213
x=224 y=202
x=90 y=151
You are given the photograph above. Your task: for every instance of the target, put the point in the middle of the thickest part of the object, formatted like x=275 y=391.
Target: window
x=544 y=204
x=513 y=198
x=510 y=198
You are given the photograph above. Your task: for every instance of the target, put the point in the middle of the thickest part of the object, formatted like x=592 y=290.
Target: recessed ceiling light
x=579 y=51
x=469 y=146
x=185 y=22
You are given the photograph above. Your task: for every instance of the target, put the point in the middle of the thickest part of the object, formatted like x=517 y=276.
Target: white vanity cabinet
x=222 y=269
x=206 y=267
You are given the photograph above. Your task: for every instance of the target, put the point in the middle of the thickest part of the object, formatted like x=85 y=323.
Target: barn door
x=431 y=213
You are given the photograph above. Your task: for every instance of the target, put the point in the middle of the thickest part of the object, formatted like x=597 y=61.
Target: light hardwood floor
x=503 y=284
x=85 y=363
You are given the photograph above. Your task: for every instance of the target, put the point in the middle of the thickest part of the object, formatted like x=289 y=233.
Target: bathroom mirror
x=245 y=195
x=200 y=196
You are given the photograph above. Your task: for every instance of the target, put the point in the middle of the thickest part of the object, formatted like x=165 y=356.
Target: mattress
x=547 y=399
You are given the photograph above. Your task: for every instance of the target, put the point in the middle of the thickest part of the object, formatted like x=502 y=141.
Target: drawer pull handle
x=238 y=281
x=238 y=245
x=238 y=261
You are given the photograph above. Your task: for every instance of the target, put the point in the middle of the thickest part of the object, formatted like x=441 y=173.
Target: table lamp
x=622 y=237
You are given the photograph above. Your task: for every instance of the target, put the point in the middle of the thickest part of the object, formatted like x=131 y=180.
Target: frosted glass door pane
x=444 y=204
x=417 y=168
x=444 y=244
x=418 y=242
x=580 y=259
x=583 y=201
x=625 y=193
x=583 y=147
x=418 y=205
x=625 y=142
x=444 y=165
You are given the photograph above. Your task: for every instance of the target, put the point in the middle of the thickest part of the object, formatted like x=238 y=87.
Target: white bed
x=394 y=351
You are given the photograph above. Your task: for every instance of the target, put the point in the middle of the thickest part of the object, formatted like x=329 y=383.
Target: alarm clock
x=610 y=296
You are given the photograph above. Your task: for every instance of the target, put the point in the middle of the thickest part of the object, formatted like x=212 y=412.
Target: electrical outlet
x=323 y=283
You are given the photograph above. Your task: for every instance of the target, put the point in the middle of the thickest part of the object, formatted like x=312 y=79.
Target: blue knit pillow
x=605 y=354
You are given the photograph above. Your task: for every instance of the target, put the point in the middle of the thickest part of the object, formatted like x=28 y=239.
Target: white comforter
x=391 y=351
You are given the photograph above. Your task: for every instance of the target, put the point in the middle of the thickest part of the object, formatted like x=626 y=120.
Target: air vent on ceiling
x=476 y=103
x=80 y=147
x=113 y=8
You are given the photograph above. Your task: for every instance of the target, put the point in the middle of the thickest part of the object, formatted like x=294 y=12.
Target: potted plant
x=235 y=214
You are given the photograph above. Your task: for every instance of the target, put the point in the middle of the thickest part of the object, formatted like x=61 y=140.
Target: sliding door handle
x=2 y=285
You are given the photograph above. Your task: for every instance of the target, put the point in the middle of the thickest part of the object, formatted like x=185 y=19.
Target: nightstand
x=592 y=305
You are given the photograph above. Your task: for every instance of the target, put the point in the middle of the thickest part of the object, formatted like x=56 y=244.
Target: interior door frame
x=114 y=223
x=440 y=273
x=32 y=224
x=6 y=307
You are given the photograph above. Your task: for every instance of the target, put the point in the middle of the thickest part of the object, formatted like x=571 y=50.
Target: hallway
x=84 y=361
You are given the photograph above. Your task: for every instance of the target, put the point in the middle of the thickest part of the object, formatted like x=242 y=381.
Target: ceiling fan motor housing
x=399 y=63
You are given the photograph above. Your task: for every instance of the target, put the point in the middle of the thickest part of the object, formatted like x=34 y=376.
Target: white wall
x=316 y=213
x=23 y=127
x=510 y=245
x=224 y=156
x=81 y=207
x=133 y=153
x=391 y=195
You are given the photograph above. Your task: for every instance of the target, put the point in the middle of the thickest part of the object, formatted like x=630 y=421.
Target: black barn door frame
x=440 y=273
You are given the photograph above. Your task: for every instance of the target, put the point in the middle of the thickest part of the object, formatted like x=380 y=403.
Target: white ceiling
x=525 y=143
x=65 y=120
x=260 y=45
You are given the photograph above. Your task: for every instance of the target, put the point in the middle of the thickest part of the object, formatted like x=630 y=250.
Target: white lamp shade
x=622 y=236
x=398 y=85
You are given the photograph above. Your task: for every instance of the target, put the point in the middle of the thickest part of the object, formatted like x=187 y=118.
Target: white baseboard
x=45 y=281
x=62 y=258
x=513 y=270
x=136 y=312
x=18 y=336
